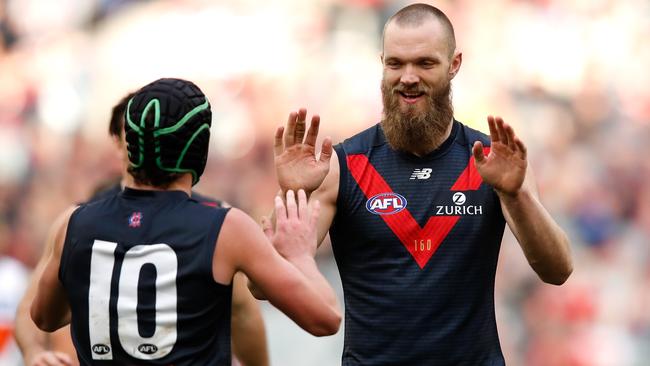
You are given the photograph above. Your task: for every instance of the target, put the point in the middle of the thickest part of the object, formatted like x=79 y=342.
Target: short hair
x=116 y=125
x=416 y=14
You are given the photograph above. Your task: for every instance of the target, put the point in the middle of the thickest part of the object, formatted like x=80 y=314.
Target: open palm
x=504 y=167
x=296 y=164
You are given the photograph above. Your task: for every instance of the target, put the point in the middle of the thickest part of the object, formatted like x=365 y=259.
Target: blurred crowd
x=570 y=75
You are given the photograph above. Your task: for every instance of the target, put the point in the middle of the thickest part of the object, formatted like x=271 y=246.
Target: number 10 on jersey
x=164 y=259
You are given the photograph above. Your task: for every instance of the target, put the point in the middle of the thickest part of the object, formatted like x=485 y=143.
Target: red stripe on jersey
x=421 y=242
x=469 y=179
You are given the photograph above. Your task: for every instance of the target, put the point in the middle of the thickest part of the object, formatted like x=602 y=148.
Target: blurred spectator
x=14 y=277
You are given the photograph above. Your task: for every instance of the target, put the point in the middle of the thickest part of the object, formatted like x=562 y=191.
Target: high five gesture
x=296 y=163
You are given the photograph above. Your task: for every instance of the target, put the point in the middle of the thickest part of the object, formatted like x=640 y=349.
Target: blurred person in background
x=15 y=277
x=416 y=208
x=187 y=251
x=51 y=349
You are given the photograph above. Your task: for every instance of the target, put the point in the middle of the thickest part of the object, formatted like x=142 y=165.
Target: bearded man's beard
x=416 y=131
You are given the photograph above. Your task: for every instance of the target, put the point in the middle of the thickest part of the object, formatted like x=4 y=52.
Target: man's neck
x=183 y=183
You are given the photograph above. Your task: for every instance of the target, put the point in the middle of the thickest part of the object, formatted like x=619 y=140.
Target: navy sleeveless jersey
x=416 y=240
x=110 y=191
x=137 y=269
x=116 y=188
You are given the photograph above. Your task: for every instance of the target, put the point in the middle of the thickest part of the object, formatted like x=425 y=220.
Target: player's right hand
x=295 y=159
x=50 y=358
x=295 y=233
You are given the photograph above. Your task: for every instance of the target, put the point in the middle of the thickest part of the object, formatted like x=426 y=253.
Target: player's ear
x=454 y=65
x=118 y=141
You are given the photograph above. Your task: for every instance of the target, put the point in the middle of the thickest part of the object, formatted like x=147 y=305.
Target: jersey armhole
x=65 y=252
x=343 y=178
x=212 y=239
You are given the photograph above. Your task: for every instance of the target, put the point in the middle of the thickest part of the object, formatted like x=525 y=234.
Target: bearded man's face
x=419 y=65
x=418 y=126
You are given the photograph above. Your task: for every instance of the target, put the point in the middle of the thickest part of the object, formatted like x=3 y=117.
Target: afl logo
x=386 y=203
x=459 y=198
x=100 y=349
x=148 y=348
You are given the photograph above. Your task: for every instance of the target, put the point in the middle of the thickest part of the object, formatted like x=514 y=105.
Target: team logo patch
x=386 y=203
x=459 y=198
x=148 y=348
x=459 y=208
x=424 y=173
x=101 y=349
x=135 y=219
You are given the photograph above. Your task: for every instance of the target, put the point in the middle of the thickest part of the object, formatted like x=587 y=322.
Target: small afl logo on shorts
x=135 y=219
x=148 y=348
x=459 y=198
x=100 y=349
x=386 y=203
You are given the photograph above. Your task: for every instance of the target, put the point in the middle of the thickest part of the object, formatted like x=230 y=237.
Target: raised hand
x=504 y=167
x=294 y=235
x=296 y=164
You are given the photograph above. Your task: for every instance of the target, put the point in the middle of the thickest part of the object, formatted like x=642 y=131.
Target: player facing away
x=55 y=349
x=144 y=277
x=416 y=206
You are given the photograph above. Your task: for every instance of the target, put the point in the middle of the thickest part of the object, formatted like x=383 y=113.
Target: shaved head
x=417 y=14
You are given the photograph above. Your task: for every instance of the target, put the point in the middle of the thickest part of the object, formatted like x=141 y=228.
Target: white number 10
x=164 y=259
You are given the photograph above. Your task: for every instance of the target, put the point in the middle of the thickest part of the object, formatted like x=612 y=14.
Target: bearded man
x=416 y=208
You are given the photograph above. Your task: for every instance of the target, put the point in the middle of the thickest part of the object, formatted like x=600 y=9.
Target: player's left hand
x=504 y=168
x=296 y=163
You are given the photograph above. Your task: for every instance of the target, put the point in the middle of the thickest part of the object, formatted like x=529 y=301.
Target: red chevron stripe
x=469 y=179
x=421 y=242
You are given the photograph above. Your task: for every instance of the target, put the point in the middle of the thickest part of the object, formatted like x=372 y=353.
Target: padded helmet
x=167 y=127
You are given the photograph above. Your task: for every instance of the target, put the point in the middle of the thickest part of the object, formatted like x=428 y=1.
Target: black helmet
x=168 y=130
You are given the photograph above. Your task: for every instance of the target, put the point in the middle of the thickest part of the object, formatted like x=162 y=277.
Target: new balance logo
x=421 y=173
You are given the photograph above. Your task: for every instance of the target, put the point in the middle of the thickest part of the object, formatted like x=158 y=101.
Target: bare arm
x=298 y=167
x=293 y=284
x=544 y=243
x=34 y=343
x=50 y=309
x=60 y=343
x=248 y=332
x=327 y=195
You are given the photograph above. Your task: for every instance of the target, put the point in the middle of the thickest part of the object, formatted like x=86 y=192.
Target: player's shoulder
x=362 y=141
x=97 y=201
x=102 y=196
x=81 y=215
x=237 y=224
x=468 y=135
x=104 y=191
x=207 y=200
x=204 y=210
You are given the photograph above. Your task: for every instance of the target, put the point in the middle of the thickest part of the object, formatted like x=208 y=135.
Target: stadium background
x=570 y=75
